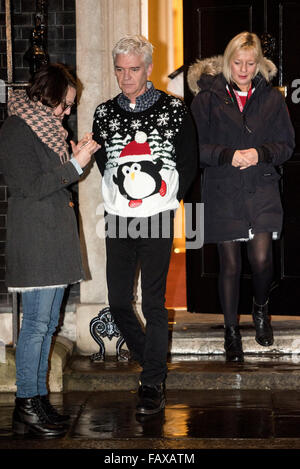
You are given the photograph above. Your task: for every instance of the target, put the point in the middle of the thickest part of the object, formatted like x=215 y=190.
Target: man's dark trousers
x=124 y=255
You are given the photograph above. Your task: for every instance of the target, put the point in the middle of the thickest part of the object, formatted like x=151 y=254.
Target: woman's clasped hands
x=242 y=159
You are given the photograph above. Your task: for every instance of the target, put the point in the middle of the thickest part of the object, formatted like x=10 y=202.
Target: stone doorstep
x=273 y=373
x=197 y=362
x=209 y=338
x=190 y=343
x=2 y=352
x=62 y=351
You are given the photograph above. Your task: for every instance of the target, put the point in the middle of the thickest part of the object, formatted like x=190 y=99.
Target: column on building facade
x=99 y=24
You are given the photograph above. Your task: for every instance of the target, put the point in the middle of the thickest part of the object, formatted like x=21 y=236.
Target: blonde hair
x=134 y=44
x=246 y=41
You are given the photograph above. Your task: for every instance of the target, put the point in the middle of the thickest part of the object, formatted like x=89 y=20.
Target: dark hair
x=50 y=84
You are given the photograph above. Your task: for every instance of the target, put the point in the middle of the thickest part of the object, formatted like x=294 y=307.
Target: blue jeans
x=41 y=309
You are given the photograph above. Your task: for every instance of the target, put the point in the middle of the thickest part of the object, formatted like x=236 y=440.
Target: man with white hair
x=148 y=161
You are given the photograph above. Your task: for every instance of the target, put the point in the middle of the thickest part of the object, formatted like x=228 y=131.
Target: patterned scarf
x=41 y=120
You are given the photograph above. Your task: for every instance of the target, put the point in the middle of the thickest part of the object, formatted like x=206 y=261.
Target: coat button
x=64 y=181
x=71 y=204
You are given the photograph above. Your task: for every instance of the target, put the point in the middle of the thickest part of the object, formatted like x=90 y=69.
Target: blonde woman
x=244 y=132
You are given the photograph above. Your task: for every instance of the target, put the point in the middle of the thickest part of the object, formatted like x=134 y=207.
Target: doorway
x=165 y=32
x=208 y=26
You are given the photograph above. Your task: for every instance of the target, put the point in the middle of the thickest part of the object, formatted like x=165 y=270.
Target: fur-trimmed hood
x=214 y=66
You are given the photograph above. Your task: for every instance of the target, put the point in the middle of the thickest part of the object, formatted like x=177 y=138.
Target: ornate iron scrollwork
x=103 y=326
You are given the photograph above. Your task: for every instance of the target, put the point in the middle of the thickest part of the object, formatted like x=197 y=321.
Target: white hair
x=134 y=44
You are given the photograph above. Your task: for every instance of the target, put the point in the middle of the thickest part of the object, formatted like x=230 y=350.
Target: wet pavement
x=192 y=420
x=213 y=408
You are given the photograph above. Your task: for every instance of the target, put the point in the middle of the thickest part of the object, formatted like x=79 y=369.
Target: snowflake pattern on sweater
x=140 y=177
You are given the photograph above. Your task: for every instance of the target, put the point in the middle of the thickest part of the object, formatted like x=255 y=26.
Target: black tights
x=259 y=251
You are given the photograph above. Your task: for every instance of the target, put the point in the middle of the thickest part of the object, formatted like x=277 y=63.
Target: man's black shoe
x=151 y=399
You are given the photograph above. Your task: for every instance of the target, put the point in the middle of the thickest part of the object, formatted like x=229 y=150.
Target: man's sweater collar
x=142 y=102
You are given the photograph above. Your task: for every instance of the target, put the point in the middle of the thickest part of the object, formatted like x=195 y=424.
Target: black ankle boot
x=51 y=412
x=151 y=399
x=30 y=417
x=261 y=318
x=233 y=344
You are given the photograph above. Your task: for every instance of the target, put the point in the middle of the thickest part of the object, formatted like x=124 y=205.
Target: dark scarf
x=41 y=120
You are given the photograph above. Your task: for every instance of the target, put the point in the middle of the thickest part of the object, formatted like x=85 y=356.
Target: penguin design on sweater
x=138 y=176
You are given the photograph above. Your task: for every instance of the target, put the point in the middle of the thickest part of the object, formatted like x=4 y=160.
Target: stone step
x=208 y=338
x=2 y=352
x=189 y=336
x=197 y=361
x=188 y=372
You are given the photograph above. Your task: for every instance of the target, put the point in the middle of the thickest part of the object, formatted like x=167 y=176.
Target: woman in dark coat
x=244 y=132
x=42 y=248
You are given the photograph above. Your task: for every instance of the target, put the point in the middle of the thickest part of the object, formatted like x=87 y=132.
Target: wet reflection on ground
x=216 y=414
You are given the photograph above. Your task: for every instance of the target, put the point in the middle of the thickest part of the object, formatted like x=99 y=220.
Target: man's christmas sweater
x=140 y=154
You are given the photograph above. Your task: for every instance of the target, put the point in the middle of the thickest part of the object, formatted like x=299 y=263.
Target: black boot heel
x=262 y=323
x=233 y=344
x=30 y=417
x=20 y=428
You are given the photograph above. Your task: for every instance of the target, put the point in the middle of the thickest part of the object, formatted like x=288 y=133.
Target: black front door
x=208 y=26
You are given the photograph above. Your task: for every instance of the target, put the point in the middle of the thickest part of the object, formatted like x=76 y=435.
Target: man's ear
x=149 y=71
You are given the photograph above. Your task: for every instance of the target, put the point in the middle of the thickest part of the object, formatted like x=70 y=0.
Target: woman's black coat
x=238 y=200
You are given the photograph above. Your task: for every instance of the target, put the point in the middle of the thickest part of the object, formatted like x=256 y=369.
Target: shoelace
x=39 y=410
x=49 y=408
